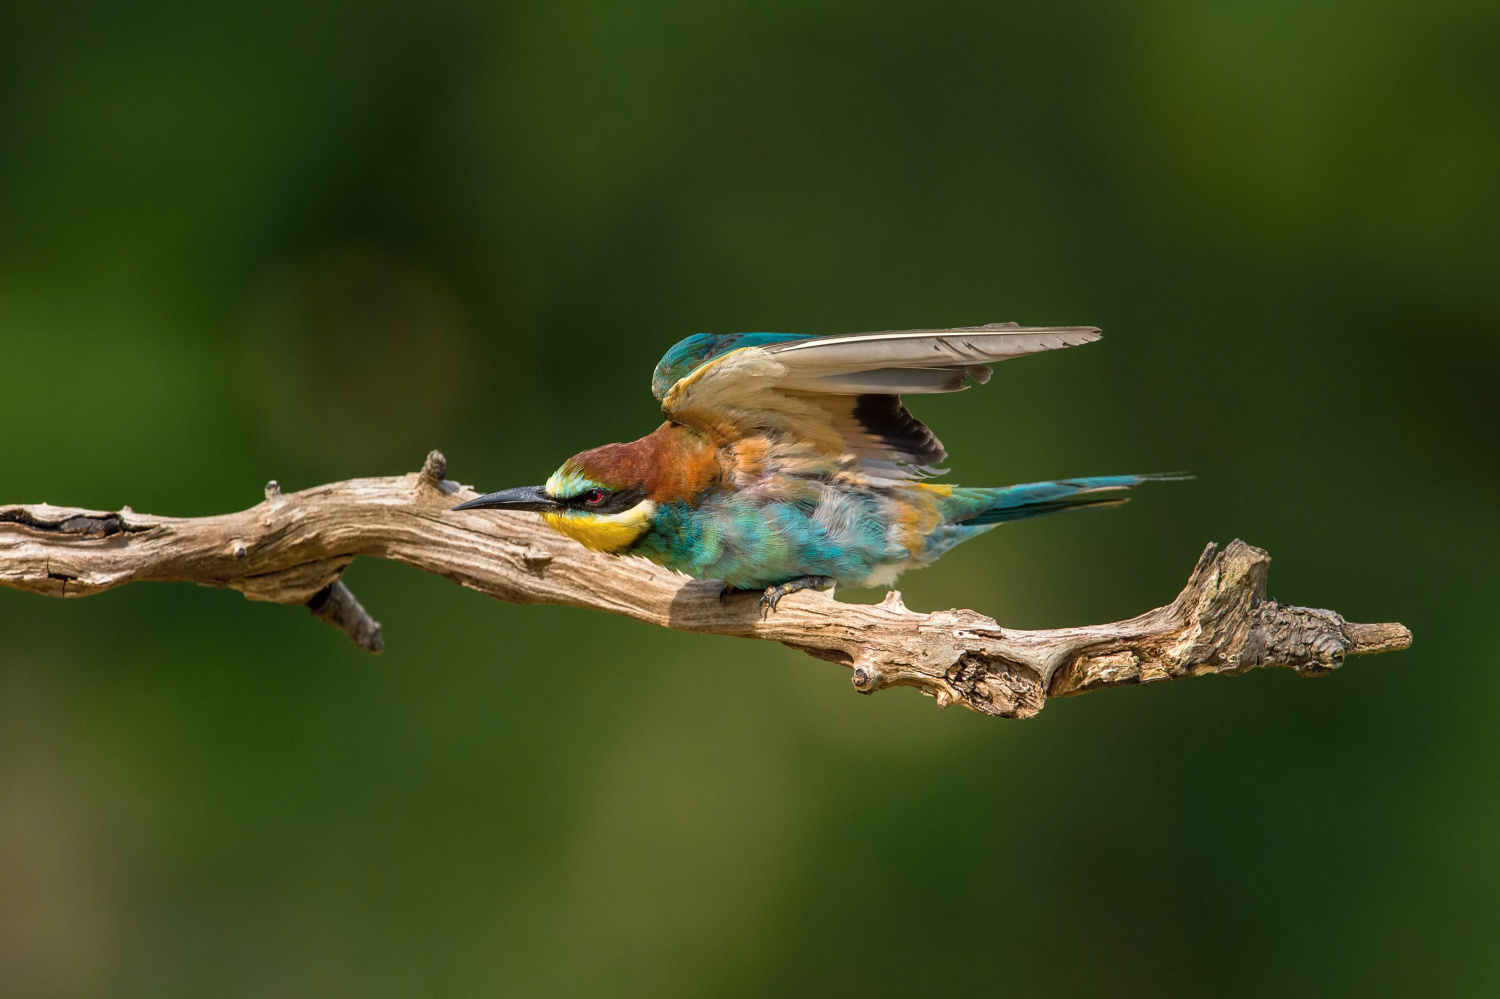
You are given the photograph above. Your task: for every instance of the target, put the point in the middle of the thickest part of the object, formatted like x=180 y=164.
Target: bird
x=789 y=462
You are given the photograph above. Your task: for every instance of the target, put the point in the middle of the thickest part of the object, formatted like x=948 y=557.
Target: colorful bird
x=788 y=461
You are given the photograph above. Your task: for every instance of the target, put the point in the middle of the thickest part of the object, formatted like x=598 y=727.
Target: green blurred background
x=311 y=241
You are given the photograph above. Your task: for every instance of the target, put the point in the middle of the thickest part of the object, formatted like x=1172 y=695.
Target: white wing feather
x=929 y=348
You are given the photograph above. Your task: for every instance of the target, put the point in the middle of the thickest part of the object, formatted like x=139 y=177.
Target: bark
x=293 y=549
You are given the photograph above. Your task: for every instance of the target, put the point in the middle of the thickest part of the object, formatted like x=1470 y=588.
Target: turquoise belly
x=752 y=545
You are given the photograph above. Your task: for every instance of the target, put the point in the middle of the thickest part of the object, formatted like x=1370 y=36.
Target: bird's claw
x=773 y=594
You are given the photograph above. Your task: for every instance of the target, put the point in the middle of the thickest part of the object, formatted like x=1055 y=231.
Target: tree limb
x=293 y=548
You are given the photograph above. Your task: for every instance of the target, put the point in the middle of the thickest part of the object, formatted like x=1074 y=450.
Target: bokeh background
x=311 y=241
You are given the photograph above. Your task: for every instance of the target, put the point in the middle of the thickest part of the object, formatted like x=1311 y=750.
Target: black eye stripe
x=613 y=502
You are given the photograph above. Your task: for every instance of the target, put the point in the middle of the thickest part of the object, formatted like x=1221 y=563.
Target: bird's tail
x=1035 y=499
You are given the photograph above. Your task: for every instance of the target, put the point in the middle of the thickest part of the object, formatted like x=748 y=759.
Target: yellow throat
x=603 y=534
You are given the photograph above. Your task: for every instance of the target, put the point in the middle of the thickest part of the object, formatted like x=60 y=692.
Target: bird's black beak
x=521 y=498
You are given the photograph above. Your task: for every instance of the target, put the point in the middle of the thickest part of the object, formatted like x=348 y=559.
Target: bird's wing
x=841 y=393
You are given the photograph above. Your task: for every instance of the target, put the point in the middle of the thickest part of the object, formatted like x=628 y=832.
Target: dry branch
x=293 y=548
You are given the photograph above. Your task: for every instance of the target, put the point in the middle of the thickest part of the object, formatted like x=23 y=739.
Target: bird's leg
x=773 y=594
x=727 y=592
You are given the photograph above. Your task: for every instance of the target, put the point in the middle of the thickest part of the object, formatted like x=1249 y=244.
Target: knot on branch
x=435 y=468
x=993 y=686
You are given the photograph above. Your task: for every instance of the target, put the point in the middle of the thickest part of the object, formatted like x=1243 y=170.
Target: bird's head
x=598 y=498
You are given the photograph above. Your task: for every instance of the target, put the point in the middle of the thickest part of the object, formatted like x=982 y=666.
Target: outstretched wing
x=841 y=394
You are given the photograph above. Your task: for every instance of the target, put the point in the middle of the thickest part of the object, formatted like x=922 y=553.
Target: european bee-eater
x=788 y=461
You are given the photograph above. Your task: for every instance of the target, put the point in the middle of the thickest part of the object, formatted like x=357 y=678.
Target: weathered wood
x=293 y=548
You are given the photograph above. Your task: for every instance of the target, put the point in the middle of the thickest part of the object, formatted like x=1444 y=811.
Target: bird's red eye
x=594 y=497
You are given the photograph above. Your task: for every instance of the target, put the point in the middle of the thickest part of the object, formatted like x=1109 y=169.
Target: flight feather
x=841 y=393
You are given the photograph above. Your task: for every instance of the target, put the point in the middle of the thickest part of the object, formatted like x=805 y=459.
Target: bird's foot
x=773 y=594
